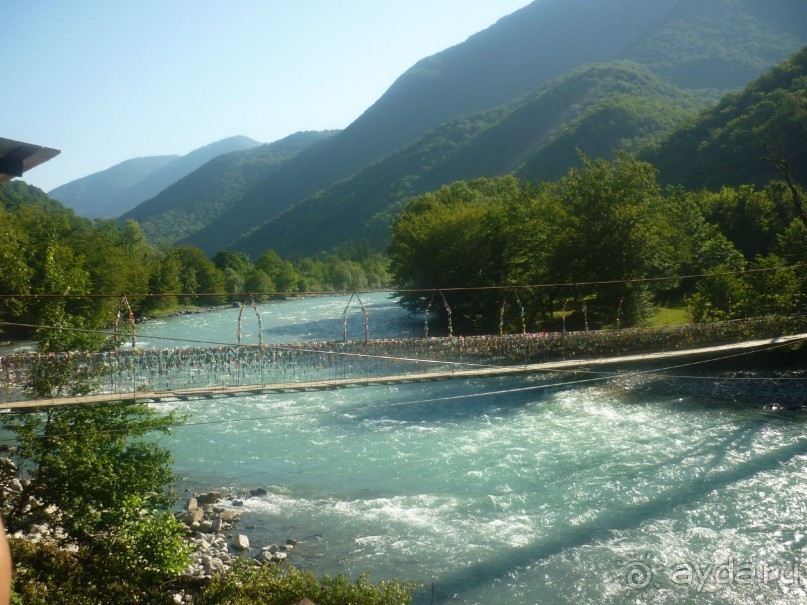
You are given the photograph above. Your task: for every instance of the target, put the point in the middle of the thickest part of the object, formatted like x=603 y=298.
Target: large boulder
x=193 y=515
x=240 y=542
x=208 y=498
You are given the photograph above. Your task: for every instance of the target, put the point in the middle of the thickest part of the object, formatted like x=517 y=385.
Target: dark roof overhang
x=17 y=157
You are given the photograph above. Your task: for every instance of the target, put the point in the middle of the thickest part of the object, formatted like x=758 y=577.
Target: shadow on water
x=441 y=401
x=332 y=329
x=706 y=482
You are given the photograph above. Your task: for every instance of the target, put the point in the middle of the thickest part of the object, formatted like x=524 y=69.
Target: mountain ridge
x=488 y=144
x=200 y=197
x=522 y=47
x=129 y=188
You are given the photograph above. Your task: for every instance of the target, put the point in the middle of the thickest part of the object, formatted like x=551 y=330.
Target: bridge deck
x=203 y=392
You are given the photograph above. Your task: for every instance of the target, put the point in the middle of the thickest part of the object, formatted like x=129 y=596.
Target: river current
x=541 y=489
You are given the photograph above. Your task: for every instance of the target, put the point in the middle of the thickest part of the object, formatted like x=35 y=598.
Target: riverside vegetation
x=105 y=488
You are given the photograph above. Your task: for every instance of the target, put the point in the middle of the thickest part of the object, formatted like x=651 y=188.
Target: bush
x=246 y=584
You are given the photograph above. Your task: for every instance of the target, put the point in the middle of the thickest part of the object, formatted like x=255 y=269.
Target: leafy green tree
x=260 y=284
x=233 y=281
x=348 y=276
x=199 y=275
x=614 y=226
x=718 y=296
x=164 y=278
x=92 y=472
x=283 y=274
x=772 y=288
x=450 y=238
x=749 y=218
x=237 y=261
x=16 y=273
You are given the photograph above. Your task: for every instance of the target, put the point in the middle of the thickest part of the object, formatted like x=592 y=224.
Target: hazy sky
x=109 y=80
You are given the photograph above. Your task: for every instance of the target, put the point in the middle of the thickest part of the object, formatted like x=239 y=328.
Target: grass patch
x=669 y=316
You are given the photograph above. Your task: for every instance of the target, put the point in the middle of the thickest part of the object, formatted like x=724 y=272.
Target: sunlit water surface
x=506 y=490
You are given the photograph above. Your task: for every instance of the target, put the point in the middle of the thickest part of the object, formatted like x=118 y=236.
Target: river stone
x=192 y=503
x=208 y=498
x=194 y=515
x=261 y=491
x=217 y=525
x=278 y=557
x=264 y=556
x=241 y=542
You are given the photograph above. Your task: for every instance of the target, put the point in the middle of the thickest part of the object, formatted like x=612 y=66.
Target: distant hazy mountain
x=114 y=191
x=595 y=109
x=700 y=45
x=96 y=195
x=197 y=199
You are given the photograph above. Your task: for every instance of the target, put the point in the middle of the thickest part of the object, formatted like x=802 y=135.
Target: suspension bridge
x=30 y=380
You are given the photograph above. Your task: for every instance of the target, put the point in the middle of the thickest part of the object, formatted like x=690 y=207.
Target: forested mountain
x=595 y=109
x=704 y=46
x=729 y=143
x=203 y=195
x=113 y=191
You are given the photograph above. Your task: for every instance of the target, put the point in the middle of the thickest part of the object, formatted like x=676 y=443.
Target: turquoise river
x=686 y=486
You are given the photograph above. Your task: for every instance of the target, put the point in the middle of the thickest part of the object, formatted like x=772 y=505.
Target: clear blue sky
x=109 y=80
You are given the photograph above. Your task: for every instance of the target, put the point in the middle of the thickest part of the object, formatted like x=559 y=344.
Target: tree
x=283 y=274
x=164 y=278
x=772 y=288
x=15 y=276
x=615 y=227
x=91 y=472
x=452 y=238
x=199 y=275
x=259 y=283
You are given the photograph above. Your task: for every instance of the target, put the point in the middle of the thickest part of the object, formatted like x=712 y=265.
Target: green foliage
x=282 y=585
x=87 y=460
x=607 y=224
x=91 y=472
x=198 y=275
x=46 y=574
x=603 y=222
x=728 y=144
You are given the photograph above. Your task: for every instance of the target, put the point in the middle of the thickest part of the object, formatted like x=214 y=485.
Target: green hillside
x=113 y=191
x=701 y=46
x=596 y=109
x=727 y=143
x=202 y=196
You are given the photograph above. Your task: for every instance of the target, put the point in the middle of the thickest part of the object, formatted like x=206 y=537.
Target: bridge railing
x=125 y=371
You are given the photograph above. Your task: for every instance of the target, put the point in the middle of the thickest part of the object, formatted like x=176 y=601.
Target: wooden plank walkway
x=209 y=392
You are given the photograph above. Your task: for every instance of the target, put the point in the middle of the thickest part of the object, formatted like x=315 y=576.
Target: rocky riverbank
x=212 y=521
